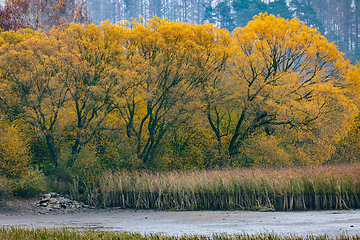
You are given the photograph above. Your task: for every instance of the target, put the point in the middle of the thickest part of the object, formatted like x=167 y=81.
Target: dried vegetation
x=280 y=189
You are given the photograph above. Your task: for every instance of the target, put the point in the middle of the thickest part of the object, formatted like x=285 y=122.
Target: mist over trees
x=338 y=21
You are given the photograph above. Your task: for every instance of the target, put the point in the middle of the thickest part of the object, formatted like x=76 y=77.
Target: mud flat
x=332 y=223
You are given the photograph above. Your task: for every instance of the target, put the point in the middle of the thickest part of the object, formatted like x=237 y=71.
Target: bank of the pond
x=207 y=223
x=16 y=233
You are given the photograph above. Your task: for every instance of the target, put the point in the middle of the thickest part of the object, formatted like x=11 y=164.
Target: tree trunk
x=51 y=145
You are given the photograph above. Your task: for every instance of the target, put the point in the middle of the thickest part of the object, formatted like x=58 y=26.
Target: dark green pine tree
x=223 y=15
x=279 y=7
x=209 y=14
x=306 y=13
x=245 y=10
x=357 y=30
x=131 y=9
x=156 y=8
x=242 y=13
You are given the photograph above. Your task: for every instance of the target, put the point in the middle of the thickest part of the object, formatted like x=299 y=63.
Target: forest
x=338 y=21
x=79 y=101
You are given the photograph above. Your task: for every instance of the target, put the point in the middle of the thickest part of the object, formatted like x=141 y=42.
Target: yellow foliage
x=265 y=151
x=274 y=92
x=5 y=188
x=285 y=76
x=12 y=37
x=29 y=184
x=14 y=152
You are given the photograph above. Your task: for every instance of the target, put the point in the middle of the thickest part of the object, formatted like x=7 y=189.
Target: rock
x=45 y=200
x=56 y=206
x=54 y=202
x=54 y=194
x=47 y=196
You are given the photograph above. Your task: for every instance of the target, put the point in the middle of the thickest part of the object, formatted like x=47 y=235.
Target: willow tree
x=168 y=61
x=288 y=94
x=33 y=89
x=95 y=79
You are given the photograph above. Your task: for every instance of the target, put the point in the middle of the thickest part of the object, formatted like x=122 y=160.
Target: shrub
x=5 y=188
x=14 y=152
x=29 y=184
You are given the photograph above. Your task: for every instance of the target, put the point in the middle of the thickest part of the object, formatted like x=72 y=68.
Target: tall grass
x=285 y=189
x=18 y=233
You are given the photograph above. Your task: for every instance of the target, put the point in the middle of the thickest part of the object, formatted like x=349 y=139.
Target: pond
x=332 y=223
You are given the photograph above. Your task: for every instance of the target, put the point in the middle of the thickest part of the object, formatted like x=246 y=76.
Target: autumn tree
x=11 y=18
x=44 y=14
x=286 y=83
x=167 y=94
x=32 y=84
x=14 y=156
x=96 y=79
x=170 y=59
x=347 y=148
x=15 y=161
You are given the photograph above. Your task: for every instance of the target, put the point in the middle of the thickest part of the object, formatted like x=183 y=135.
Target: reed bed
x=285 y=189
x=19 y=233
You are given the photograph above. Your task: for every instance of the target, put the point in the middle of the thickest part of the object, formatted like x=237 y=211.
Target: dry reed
x=285 y=189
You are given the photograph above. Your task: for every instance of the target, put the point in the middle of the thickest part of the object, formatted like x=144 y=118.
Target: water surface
x=332 y=223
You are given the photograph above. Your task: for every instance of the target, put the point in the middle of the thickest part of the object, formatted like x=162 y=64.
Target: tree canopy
x=337 y=20
x=166 y=94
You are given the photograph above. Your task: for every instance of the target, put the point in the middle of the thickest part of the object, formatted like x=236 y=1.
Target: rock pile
x=51 y=202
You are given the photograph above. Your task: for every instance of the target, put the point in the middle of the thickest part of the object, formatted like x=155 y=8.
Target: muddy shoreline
x=333 y=223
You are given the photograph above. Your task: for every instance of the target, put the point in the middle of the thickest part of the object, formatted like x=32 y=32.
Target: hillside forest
x=78 y=99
